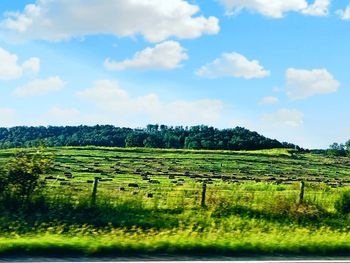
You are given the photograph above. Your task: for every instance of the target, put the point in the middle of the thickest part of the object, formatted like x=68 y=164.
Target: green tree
x=347 y=147
x=197 y=137
x=336 y=149
x=135 y=139
x=21 y=177
x=153 y=141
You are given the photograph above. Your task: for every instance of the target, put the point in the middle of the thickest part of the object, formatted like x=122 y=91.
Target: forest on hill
x=153 y=136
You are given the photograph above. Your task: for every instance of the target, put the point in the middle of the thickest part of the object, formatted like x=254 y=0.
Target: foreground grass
x=252 y=205
x=216 y=241
x=235 y=230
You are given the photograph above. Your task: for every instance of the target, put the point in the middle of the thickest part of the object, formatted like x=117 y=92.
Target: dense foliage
x=336 y=149
x=153 y=136
x=20 y=178
x=342 y=205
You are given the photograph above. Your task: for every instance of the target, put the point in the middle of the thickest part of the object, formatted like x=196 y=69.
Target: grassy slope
x=241 y=216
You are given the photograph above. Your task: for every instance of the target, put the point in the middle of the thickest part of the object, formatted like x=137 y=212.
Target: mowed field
x=184 y=201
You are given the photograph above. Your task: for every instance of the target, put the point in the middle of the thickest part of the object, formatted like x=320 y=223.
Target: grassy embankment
x=149 y=201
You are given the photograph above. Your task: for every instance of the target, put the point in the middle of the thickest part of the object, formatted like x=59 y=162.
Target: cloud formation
x=284 y=118
x=276 y=8
x=344 y=14
x=7 y=117
x=233 y=65
x=155 y=20
x=39 y=87
x=302 y=83
x=111 y=100
x=164 y=56
x=11 y=69
x=318 y=8
x=268 y=100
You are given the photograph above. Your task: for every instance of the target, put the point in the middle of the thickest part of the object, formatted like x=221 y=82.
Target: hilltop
x=153 y=136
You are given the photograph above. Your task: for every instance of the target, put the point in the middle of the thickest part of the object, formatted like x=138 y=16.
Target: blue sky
x=276 y=67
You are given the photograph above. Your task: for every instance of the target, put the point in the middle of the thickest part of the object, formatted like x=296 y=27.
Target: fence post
x=94 y=191
x=204 y=190
x=301 y=195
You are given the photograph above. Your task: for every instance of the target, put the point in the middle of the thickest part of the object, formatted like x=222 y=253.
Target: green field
x=151 y=201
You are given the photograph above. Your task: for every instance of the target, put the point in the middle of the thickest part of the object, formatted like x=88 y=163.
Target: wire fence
x=200 y=193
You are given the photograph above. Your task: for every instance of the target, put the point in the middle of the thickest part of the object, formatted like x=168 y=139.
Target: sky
x=278 y=67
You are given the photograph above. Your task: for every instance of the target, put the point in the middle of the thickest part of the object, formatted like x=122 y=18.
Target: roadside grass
x=149 y=201
x=215 y=241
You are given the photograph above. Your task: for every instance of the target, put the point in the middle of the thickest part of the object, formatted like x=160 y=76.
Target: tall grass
x=260 y=219
x=173 y=208
x=292 y=240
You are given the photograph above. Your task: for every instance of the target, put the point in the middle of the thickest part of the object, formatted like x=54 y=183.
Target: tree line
x=152 y=136
x=339 y=149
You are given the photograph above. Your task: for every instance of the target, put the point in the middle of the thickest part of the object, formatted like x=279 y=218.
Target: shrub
x=21 y=178
x=342 y=205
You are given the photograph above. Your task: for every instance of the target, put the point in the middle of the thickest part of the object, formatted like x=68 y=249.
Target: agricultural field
x=99 y=200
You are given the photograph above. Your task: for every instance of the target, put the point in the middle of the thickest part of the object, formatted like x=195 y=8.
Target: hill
x=153 y=136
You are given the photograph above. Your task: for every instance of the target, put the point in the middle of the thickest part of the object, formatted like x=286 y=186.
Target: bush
x=342 y=205
x=21 y=178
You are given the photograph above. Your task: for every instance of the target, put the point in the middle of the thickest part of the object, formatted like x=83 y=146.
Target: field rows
x=151 y=200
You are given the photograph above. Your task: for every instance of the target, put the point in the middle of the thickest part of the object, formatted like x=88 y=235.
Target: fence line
x=199 y=188
x=202 y=191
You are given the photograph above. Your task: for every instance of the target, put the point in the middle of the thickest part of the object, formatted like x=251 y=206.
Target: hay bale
x=154 y=181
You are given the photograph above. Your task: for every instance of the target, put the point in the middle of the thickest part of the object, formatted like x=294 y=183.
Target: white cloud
x=21 y=21
x=111 y=100
x=7 y=117
x=233 y=65
x=276 y=8
x=64 y=114
x=277 y=89
x=318 y=8
x=57 y=116
x=288 y=118
x=155 y=20
x=40 y=87
x=167 y=55
x=303 y=83
x=268 y=100
x=10 y=69
x=205 y=111
x=104 y=90
x=32 y=64
x=344 y=14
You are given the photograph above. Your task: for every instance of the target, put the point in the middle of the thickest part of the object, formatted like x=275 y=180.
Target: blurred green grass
x=251 y=204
